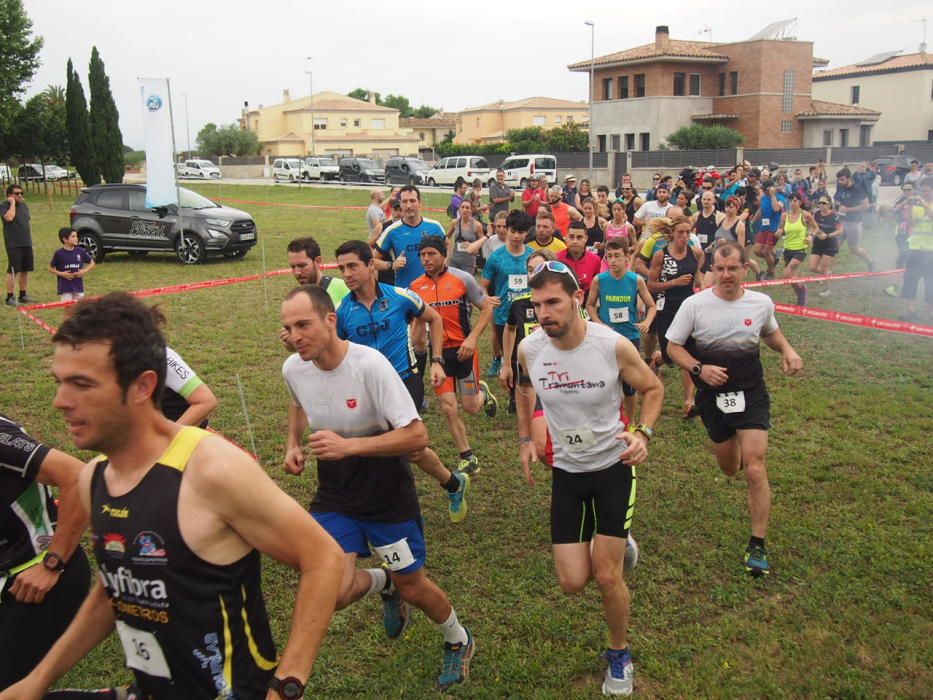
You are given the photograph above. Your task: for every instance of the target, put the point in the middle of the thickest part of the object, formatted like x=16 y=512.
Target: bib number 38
x=731 y=402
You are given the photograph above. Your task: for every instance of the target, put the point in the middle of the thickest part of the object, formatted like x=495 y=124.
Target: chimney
x=372 y=97
x=662 y=37
x=285 y=96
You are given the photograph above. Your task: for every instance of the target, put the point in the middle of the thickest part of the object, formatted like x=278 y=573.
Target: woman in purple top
x=70 y=264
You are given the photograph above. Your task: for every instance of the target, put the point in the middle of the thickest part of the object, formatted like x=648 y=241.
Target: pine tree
x=79 y=130
x=106 y=139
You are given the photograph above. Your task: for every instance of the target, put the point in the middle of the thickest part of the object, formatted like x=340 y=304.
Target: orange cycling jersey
x=451 y=295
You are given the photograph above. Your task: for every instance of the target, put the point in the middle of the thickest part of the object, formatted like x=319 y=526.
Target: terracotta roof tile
x=674 y=49
x=530 y=103
x=819 y=108
x=432 y=122
x=907 y=61
x=290 y=137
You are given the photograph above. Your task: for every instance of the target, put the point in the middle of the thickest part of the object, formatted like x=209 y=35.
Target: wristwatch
x=644 y=430
x=53 y=562
x=696 y=369
x=438 y=360
x=289 y=688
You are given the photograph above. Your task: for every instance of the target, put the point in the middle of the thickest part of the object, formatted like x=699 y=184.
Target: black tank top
x=594 y=235
x=705 y=228
x=630 y=209
x=671 y=269
x=209 y=622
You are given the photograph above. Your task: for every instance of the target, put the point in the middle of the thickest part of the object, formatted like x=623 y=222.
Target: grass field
x=846 y=612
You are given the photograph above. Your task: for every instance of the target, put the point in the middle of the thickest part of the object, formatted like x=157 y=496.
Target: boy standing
x=70 y=264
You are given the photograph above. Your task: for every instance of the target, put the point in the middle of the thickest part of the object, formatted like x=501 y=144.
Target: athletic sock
x=453 y=485
x=466 y=454
x=453 y=631
x=421 y=361
x=379 y=580
x=756 y=541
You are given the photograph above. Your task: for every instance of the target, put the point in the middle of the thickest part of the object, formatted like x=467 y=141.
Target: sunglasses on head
x=555 y=266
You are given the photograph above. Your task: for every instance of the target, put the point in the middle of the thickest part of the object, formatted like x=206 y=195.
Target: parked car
x=286 y=169
x=519 y=170
x=319 y=168
x=31 y=171
x=56 y=172
x=5 y=174
x=401 y=170
x=203 y=169
x=115 y=217
x=448 y=170
x=892 y=169
x=360 y=170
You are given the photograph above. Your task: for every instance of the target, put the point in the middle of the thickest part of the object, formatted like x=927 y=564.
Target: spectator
x=70 y=264
x=535 y=195
x=585 y=192
x=475 y=195
x=913 y=177
x=652 y=192
x=375 y=214
x=460 y=188
x=17 y=237
x=569 y=194
x=561 y=212
x=500 y=195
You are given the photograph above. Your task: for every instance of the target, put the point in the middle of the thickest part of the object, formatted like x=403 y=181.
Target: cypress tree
x=106 y=139
x=79 y=132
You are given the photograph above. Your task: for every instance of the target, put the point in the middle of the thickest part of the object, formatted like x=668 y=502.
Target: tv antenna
x=923 y=29
x=708 y=31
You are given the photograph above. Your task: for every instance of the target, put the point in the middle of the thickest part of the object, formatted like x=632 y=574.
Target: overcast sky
x=224 y=53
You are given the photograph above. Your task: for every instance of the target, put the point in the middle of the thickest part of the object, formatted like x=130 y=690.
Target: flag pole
x=171 y=116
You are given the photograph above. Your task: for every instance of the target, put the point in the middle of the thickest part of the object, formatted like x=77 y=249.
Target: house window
x=343 y=123
x=616 y=141
x=570 y=119
x=607 y=88
x=854 y=94
x=477 y=122
x=694 y=83
x=421 y=136
x=378 y=124
x=645 y=142
x=722 y=84
x=356 y=123
x=557 y=119
x=623 y=87
x=843 y=137
x=640 y=85
x=320 y=123
x=827 y=137
x=786 y=126
x=630 y=142
x=601 y=143
x=538 y=121
x=864 y=135
x=788 y=104
x=734 y=82
x=679 y=84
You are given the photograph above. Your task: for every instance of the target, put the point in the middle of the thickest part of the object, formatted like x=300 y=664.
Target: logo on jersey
x=122 y=513
x=529 y=313
x=351 y=403
x=122 y=583
x=115 y=544
x=149 y=548
x=748 y=321
x=383 y=304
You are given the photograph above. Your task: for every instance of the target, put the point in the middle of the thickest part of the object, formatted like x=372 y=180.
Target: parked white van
x=202 y=169
x=448 y=170
x=320 y=168
x=519 y=170
x=286 y=169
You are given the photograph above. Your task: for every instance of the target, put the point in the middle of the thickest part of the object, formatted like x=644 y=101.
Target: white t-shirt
x=652 y=210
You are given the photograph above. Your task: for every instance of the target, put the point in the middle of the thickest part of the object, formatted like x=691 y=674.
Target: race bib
x=396 y=555
x=577 y=438
x=731 y=402
x=518 y=283
x=766 y=222
x=530 y=328
x=618 y=314
x=703 y=238
x=463 y=246
x=142 y=651
x=659 y=304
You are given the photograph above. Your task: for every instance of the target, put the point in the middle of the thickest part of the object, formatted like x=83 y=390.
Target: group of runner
x=180 y=572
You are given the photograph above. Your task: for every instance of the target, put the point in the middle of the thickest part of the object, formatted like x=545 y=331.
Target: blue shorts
x=354 y=536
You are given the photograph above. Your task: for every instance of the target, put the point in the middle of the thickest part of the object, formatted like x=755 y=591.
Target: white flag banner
x=157 y=133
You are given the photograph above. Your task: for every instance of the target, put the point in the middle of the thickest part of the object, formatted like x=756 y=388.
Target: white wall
x=658 y=116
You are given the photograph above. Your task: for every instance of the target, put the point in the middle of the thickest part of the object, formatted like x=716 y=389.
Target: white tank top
x=581 y=392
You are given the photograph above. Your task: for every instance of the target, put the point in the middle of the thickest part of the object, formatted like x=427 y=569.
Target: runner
x=620 y=228
x=584 y=263
x=825 y=241
x=919 y=260
x=653 y=208
x=613 y=302
x=44 y=574
x=851 y=205
x=768 y=218
x=364 y=424
x=706 y=223
x=451 y=292
x=715 y=337
x=465 y=238
x=731 y=228
x=672 y=278
x=798 y=227
x=186 y=399
x=595 y=227
x=304 y=258
x=177 y=537
x=378 y=315
x=577 y=368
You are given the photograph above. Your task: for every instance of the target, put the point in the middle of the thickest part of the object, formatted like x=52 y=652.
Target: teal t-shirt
x=618 y=303
x=508 y=277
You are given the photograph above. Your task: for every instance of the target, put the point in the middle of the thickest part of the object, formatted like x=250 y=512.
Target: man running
x=715 y=336
x=304 y=258
x=451 y=292
x=178 y=518
x=577 y=368
x=364 y=424
x=44 y=574
x=851 y=204
x=378 y=315
x=186 y=399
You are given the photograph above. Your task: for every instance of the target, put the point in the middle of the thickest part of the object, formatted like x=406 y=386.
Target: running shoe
x=871 y=265
x=494 y=368
x=891 y=291
x=802 y=297
x=631 y=554
x=470 y=465
x=396 y=613
x=826 y=292
x=457 y=508
x=620 y=673
x=26 y=299
x=491 y=404
x=425 y=405
x=10 y=301
x=760 y=275
x=456 y=668
x=756 y=561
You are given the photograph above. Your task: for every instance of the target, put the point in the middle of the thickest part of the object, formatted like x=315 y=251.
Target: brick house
x=760 y=87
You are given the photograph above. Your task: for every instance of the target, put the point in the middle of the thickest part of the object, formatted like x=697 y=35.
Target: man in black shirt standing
x=17 y=238
x=851 y=204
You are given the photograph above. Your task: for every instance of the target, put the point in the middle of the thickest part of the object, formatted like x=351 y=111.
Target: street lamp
x=592 y=26
x=311 y=102
x=187 y=130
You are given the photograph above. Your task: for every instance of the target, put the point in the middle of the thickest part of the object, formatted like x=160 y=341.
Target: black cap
x=435 y=242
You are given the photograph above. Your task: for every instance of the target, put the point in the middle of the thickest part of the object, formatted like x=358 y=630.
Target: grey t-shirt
x=374 y=215
x=16 y=233
x=496 y=191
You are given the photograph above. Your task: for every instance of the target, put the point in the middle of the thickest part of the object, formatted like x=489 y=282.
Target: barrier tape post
x=19 y=322
x=265 y=286
x=249 y=427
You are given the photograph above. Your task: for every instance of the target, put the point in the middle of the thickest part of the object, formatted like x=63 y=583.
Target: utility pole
x=592 y=26
x=311 y=101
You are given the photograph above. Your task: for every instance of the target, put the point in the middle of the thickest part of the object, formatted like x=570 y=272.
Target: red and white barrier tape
x=293 y=205
x=820 y=278
x=882 y=324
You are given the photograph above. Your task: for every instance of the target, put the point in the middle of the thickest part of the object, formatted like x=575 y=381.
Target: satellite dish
x=776 y=30
x=878 y=58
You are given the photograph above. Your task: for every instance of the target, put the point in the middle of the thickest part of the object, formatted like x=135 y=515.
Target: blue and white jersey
x=401 y=239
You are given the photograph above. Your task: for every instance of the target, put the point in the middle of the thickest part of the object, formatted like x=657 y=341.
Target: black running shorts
x=585 y=503
x=722 y=426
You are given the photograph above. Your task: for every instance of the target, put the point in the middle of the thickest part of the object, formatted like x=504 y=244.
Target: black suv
x=360 y=170
x=406 y=171
x=892 y=169
x=115 y=217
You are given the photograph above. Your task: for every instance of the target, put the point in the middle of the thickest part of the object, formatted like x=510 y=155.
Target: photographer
x=919 y=261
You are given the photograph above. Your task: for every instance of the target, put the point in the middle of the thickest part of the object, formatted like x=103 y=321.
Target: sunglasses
x=555 y=266
x=18 y=194
x=655 y=179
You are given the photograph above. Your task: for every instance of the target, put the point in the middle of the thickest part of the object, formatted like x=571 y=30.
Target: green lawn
x=846 y=612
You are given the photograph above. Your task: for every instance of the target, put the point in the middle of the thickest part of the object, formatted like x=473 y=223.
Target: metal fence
x=10 y=175
x=681 y=159
x=784 y=156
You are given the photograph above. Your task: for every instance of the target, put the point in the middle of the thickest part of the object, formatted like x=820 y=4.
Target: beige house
x=899 y=86
x=431 y=131
x=489 y=123
x=343 y=126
